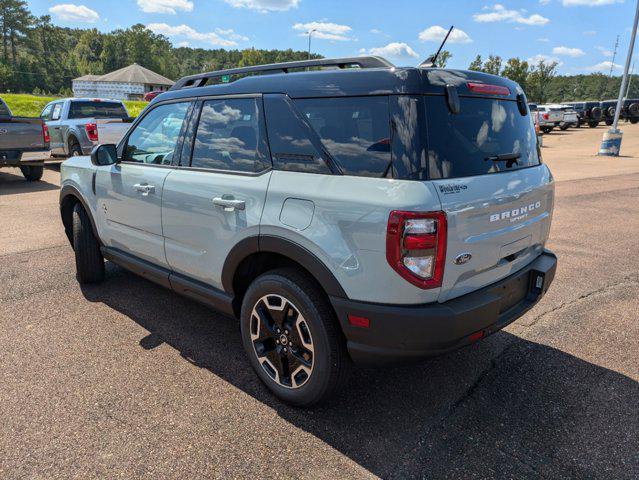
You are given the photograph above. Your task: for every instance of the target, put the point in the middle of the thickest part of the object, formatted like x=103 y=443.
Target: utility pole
x=632 y=70
x=614 y=55
x=310 y=32
x=611 y=143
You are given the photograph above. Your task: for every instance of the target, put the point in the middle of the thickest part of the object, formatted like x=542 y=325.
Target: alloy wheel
x=282 y=341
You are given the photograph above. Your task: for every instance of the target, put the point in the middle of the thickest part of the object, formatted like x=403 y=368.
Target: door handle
x=229 y=203
x=144 y=188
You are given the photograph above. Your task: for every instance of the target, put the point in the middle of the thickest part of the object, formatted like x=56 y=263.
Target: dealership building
x=128 y=83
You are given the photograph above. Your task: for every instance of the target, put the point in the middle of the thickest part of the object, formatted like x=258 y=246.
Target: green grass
x=25 y=105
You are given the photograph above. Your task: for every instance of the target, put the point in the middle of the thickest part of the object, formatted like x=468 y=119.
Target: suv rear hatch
x=486 y=166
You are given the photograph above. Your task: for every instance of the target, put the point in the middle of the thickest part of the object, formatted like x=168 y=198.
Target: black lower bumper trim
x=402 y=332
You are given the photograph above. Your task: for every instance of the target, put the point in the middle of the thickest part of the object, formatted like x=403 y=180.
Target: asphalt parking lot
x=127 y=379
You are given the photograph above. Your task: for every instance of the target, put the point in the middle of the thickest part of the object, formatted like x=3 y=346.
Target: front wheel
x=292 y=338
x=89 y=262
x=32 y=173
x=609 y=122
x=563 y=128
x=593 y=124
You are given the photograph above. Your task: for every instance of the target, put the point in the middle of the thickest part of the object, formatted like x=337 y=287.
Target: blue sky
x=578 y=34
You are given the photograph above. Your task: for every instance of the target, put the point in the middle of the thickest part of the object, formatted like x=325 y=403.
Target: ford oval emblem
x=462 y=258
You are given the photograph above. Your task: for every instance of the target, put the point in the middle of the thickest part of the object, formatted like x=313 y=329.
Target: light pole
x=310 y=32
x=611 y=143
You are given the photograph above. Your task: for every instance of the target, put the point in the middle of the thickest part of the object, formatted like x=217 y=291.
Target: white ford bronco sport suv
x=360 y=212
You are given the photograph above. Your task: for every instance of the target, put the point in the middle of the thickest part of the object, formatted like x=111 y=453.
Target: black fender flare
x=70 y=190
x=286 y=248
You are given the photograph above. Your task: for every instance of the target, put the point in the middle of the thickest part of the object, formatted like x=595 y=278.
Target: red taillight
x=416 y=246
x=92 y=131
x=358 y=321
x=45 y=133
x=488 y=89
x=546 y=116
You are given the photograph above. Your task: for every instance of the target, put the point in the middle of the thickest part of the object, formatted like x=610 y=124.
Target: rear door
x=214 y=201
x=498 y=198
x=55 y=129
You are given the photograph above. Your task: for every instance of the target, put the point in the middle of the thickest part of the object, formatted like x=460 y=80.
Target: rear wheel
x=292 y=337
x=593 y=124
x=89 y=262
x=608 y=121
x=32 y=173
x=75 y=150
x=546 y=129
x=564 y=127
x=634 y=120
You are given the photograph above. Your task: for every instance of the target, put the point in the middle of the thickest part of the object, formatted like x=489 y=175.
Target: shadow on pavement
x=505 y=407
x=12 y=182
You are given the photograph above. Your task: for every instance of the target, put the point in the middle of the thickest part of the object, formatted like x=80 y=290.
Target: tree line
x=39 y=57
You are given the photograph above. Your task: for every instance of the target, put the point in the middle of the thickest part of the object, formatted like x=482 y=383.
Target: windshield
x=487 y=136
x=92 y=109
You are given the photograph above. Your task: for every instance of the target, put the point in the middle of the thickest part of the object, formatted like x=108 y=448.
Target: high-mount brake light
x=488 y=89
x=416 y=246
x=92 y=131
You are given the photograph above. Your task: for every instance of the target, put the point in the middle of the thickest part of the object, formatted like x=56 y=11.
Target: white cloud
x=392 y=50
x=588 y=3
x=165 y=6
x=540 y=57
x=74 y=13
x=499 y=13
x=437 y=34
x=568 y=52
x=325 y=30
x=265 y=6
x=220 y=37
x=603 y=66
x=605 y=52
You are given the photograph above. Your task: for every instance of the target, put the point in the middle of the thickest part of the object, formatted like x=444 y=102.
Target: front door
x=216 y=200
x=129 y=193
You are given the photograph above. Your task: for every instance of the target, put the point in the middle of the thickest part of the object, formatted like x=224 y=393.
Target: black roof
x=371 y=79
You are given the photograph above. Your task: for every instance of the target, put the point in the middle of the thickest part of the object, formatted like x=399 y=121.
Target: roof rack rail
x=200 y=79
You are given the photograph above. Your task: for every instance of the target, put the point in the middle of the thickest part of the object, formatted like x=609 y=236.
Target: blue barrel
x=611 y=143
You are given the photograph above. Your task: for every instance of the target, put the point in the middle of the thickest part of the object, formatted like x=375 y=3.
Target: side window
x=57 y=111
x=155 y=138
x=46 y=113
x=354 y=130
x=294 y=144
x=231 y=136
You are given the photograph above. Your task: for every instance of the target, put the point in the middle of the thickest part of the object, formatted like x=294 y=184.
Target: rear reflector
x=488 y=89
x=476 y=336
x=356 y=321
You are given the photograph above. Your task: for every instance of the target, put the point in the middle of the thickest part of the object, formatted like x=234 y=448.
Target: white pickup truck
x=76 y=125
x=550 y=116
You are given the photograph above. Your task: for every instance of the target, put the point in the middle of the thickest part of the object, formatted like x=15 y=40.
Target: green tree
x=540 y=79
x=443 y=59
x=476 y=64
x=517 y=70
x=492 y=65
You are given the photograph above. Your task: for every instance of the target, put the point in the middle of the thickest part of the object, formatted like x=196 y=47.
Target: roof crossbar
x=200 y=79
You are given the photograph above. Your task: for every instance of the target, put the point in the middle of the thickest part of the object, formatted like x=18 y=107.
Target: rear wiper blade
x=504 y=157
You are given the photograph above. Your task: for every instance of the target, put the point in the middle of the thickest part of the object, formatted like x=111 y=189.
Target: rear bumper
x=403 y=332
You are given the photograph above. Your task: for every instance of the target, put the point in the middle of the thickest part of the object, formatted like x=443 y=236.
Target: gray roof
x=132 y=74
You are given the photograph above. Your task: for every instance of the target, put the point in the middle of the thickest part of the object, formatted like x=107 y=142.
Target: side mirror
x=106 y=154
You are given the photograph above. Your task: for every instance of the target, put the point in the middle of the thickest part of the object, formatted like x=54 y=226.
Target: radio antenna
x=430 y=61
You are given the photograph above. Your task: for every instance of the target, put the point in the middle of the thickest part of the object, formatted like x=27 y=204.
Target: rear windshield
x=487 y=136
x=97 y=110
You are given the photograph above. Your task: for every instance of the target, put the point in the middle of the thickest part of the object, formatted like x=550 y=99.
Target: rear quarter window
x=465 y=144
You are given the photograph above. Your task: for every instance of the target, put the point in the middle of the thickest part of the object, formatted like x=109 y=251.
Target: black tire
x=609 y=121
x=546 y=129
x=634 y=120
x=89 y=262
x=633 y=109
x=75 y=150
x=593 y=124
x=578 y=123
x=32 y=173
x=563 y=127
x=329 y=361
x=595 y=113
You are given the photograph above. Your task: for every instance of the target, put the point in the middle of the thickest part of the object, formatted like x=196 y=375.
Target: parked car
x=19 y=135
x=587 y=112
x=151 y=95
x=550 y=117
x=570 y=117
x=342 y=235
x=608 y=109
x=630 y=110
x=76 y=125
